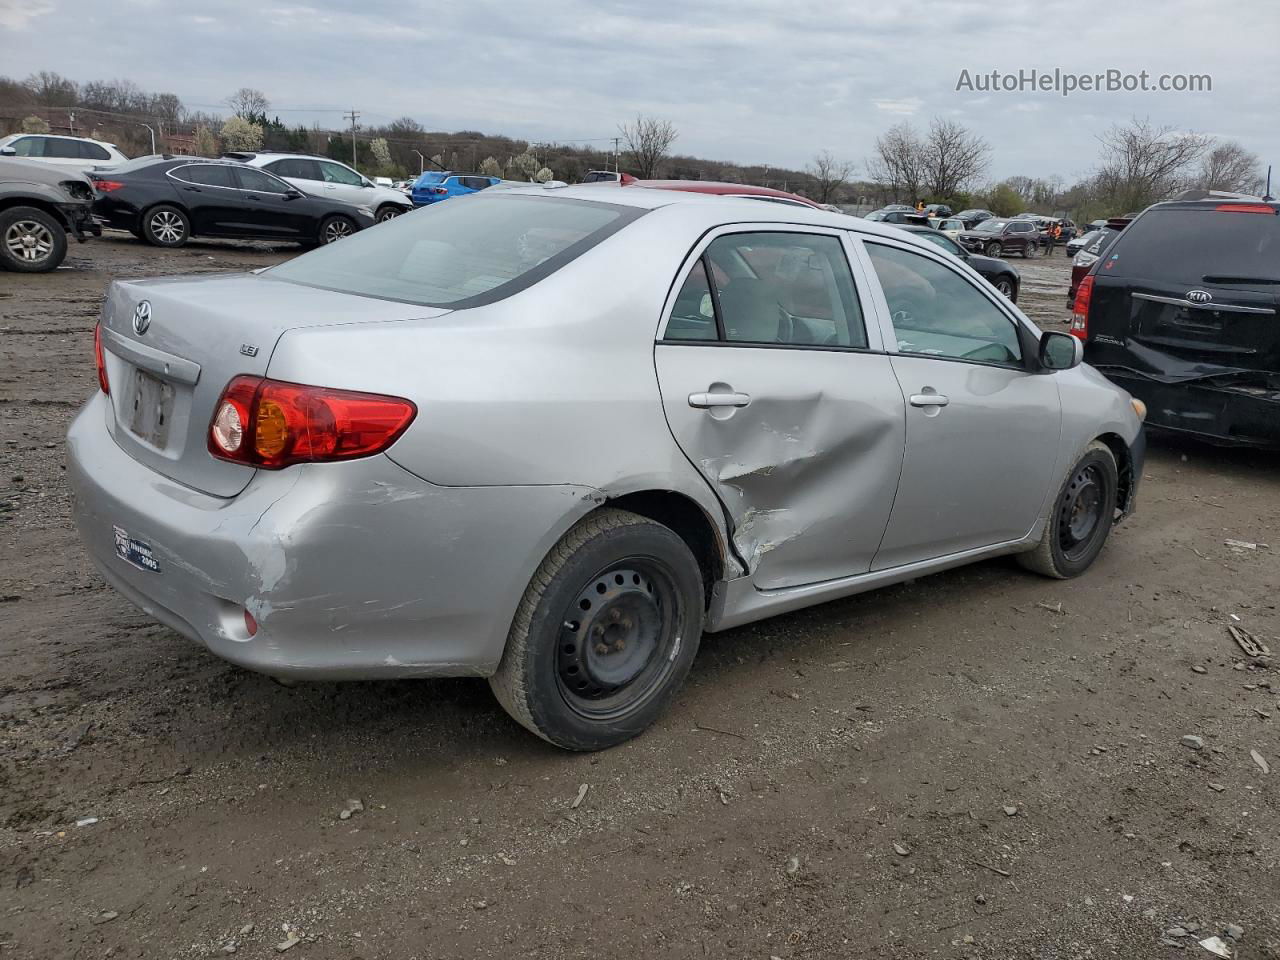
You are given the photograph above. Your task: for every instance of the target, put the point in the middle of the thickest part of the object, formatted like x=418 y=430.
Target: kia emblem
x=1199 y=296
x=142 y=317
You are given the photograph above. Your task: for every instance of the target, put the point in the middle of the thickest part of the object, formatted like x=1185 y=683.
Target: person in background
x=919 y=206
x=1051 y=237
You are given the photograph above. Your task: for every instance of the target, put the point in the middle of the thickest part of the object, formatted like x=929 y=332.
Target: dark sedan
x=167 y=201
x=999 y=273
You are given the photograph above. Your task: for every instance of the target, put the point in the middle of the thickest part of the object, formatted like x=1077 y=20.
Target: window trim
x=212 y=186
x=695 y=255
x=1027 y=337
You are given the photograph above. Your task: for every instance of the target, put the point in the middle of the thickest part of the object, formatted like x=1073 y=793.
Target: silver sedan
x=551 y=437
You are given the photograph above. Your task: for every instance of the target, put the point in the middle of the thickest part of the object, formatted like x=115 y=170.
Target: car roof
x=721 y=188
x=717 y=209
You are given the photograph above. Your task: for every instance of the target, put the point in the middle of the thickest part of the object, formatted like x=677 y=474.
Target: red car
x=1088 y=255
x=723 y=189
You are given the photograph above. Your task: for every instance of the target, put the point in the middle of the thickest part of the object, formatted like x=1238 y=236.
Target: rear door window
x=62 y=148
x=206 y=174
x=771 y=288
x=295 y=167
x=1200 y=245
x=937 y=312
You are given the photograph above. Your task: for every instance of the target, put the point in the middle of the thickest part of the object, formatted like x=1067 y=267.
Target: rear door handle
x=704 y=401
x=929 y=400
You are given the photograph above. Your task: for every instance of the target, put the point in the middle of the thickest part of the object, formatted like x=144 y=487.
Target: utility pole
x=353 y=116
x=616 y=141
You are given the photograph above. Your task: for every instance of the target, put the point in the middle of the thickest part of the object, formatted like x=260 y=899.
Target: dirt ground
x=978 y=764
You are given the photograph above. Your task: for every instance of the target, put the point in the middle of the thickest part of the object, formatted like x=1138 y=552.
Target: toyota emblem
x=1199 y=296
x=142 y=317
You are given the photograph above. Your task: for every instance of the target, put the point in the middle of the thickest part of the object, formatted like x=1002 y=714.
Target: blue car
x=436 y=185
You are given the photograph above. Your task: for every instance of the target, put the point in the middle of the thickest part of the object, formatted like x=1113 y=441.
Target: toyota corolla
x=551 y=438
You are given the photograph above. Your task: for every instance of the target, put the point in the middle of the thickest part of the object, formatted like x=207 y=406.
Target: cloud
x=18 y=14
x=764 y=81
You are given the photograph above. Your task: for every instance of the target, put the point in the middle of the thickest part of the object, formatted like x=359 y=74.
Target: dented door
x=800 y=434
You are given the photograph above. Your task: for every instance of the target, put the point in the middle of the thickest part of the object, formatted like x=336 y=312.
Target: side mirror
x=1060 y=351
x=367 y=182
x=8 y=152
x=294 y=194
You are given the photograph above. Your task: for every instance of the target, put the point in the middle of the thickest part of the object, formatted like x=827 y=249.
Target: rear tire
x=605 y=633
x=165 y=226
x=1081 y=518
x=31 y=241
x=335 y=228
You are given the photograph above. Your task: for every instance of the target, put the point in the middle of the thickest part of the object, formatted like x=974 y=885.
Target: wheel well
x=690 y=523
x=1124 y=467
x=42 y=205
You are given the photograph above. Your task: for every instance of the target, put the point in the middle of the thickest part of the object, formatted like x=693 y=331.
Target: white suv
x=329 y=178
x=74 y=153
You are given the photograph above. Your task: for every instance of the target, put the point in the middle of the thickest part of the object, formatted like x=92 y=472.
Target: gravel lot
x=978 y=764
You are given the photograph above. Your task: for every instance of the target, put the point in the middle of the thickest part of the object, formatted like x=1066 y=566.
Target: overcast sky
x=754 y=81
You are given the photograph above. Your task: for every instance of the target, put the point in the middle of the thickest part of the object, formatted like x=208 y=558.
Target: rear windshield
x=464 y=253
x=1203 y=245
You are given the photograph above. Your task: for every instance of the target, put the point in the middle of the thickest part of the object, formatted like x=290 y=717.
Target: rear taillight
x=100 y=360
x=1080 y=309
x=267 y=423
x=106 y=186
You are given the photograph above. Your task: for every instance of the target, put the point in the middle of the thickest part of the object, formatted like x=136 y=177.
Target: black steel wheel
x=605 y=634
x=1082 y=516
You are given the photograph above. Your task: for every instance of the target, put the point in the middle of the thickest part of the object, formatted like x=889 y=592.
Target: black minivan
x=1181 y=311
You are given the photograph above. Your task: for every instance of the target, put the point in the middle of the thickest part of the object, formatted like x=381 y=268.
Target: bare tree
x=831 y=176
x=52 y=89
x=248 y=103
x=1229 y=166
x=898 y=165
x=1142 y=163
x=954 y=158
x=647 y=140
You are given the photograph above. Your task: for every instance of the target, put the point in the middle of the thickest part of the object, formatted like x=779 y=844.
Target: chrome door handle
x=704 y=401
x=929 y=400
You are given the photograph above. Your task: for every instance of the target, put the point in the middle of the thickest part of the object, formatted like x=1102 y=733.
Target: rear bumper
x=353 y=570
x=1220 y=414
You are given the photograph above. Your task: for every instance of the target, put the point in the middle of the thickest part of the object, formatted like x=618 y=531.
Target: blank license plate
x=152 y=408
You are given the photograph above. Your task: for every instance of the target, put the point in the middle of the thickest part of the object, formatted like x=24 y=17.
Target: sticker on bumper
x=136 y=552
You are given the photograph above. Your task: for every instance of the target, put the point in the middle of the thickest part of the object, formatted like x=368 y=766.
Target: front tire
x=31 y=241
x=1004 y=284
x=389 y=212
x=994 y=250
x=1082 y=515
x=165 y=226
x=605 y=633
x=336 y=228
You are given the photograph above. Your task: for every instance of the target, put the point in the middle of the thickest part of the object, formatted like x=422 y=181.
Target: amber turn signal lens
x=272 y=433
x=1139 y=408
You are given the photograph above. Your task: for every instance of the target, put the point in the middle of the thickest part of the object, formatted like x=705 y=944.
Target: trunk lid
x=168 y=369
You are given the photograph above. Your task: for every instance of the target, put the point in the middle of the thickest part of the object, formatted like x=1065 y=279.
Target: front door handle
x=929 y=400
x=704 y=401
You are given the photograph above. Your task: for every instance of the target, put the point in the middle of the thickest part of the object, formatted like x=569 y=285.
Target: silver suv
x=39 y=206
x=323 y=177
